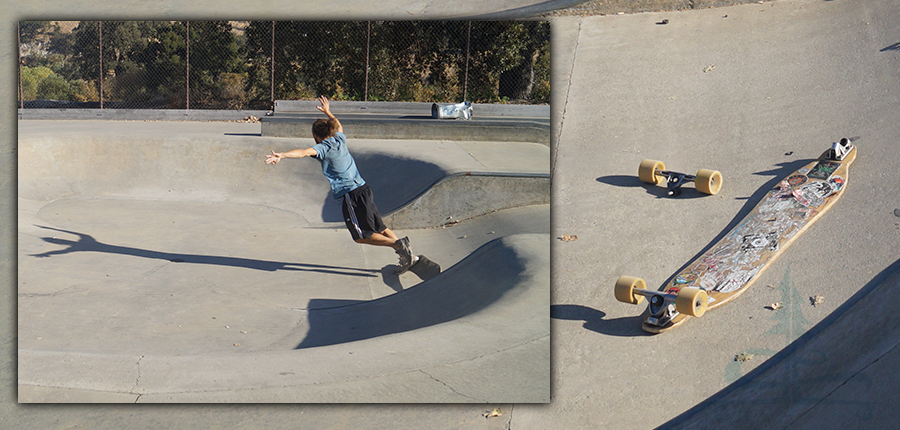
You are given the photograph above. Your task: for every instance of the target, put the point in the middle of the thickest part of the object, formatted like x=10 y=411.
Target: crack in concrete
x=137 y=381
x=566 y=103
x=53 y=294
x=512 y=408
x=451 y=388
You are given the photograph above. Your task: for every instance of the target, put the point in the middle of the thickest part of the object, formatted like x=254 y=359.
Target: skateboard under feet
x=425 y=268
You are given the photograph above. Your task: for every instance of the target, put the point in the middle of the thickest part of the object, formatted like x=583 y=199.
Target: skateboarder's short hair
x=323 y=129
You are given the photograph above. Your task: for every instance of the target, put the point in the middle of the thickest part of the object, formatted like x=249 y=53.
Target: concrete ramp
x=223 y=162
x=843 y=370
x=410 y=356
x=491 y=279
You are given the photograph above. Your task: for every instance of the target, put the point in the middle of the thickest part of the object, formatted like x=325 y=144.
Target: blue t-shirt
x=338 y=165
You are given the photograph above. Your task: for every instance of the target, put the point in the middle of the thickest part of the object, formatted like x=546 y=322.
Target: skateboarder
x=348 y=187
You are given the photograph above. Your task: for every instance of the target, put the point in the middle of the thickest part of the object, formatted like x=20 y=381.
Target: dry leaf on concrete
x=494 y=413
x=744 y=357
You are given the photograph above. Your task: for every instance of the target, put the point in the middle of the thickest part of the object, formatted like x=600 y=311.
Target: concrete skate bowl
x=181 y=268
x=230 y=170
x=204 y=169
x=388 y=343
x=494 y=273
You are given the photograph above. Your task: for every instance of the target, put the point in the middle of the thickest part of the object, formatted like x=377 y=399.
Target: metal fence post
x=100 y=37
x=468 y=49
x=187 y=63
x=19 y=62
x=272 y=71
x=368 y=41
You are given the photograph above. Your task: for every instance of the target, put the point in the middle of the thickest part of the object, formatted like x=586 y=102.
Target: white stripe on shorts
x=353 y=218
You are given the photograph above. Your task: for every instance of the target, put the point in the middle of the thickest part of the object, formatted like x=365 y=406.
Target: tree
x=505 y=55
x=147 y=60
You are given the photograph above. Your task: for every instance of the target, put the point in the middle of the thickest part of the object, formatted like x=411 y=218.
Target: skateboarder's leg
x=366 y=226
x=387 y=232
x=380 y=239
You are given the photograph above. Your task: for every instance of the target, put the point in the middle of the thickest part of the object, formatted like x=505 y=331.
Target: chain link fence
x=250 y=64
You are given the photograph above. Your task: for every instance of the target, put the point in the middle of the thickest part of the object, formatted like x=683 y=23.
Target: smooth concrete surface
x=212 y=162
x=168 y=262
x=824 y=380
x=750 y=90
x=753 y=91
x=471 y=195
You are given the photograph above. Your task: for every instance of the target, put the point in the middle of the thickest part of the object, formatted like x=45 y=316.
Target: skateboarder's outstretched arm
x=335 y=126
x=325 y=108
x=275 y=157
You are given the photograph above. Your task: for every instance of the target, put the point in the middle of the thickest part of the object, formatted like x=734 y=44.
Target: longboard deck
x=731 y=265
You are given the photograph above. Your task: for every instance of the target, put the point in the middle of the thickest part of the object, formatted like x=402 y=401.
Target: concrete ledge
x=468 y=195
x=409 y=108
x=612 y=7
x=418 y=129
x=139 y=114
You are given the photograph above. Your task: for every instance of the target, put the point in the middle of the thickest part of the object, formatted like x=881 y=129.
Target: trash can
x=446 y=110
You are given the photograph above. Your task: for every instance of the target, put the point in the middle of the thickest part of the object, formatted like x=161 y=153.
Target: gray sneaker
x=407 y=258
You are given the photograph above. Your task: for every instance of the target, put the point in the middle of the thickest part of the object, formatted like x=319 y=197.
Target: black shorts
x=360 y=213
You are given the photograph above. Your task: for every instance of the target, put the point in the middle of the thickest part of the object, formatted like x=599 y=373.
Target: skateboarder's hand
x=274 y=158
x=325 y=107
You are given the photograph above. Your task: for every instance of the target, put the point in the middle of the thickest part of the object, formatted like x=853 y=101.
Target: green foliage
x=42 y=83
x=147 y=62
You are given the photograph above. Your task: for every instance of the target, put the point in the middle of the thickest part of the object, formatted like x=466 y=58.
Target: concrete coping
x=412 y=108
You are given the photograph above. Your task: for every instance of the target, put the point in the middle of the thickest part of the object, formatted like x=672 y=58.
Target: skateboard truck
x=675 y=180
x=664 y=305
x=706 y=181
x=839 y=150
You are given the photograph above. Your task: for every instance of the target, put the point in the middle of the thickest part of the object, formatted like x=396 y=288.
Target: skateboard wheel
x=648 y=170
x=691 y=301
x=625 y=286
x=708 y=181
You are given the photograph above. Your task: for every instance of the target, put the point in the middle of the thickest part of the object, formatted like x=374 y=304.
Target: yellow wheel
x=649 y=168
x=625 y=286
x=691 y=301
x=708 y=181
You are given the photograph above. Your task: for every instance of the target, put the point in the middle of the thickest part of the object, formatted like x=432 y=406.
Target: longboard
x=730 y=266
